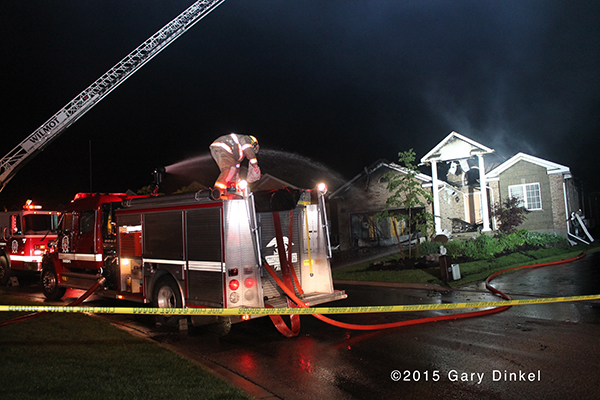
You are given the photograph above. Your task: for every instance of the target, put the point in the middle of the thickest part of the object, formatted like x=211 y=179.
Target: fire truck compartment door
x=204 y=254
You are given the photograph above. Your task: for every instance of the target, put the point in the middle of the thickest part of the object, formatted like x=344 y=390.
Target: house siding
x=365 y=197
x=452 y=205
x=548 y=218
x=559 y=214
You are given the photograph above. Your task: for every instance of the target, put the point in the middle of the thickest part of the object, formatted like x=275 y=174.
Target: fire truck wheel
x=4 y=271
x=222 y=327
x=50 y=286
x=167 y=295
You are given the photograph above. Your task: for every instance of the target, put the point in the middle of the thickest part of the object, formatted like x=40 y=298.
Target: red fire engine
x=198 y=249
x=25 y=237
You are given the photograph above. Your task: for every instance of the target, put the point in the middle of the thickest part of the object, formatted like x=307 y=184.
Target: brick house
x=458 y=165
x=354 y=206
x=460 y=162
x=546 y=189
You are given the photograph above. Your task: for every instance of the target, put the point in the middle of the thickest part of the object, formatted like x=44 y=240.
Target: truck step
x=77 y=280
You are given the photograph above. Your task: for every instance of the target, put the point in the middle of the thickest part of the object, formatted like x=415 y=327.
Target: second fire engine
x=24 y=239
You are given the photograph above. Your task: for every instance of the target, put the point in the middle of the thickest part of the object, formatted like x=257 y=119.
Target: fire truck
x=203 y=249
x=25 y=237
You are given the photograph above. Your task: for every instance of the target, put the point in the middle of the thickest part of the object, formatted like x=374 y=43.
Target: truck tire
x=50 y=286
x=167 y=295
x=4 y=271
x=222 y=327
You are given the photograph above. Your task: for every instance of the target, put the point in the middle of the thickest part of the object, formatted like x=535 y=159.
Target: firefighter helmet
x=254 y=143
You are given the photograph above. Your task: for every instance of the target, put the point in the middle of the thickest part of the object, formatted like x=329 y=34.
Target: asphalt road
x=534 y=352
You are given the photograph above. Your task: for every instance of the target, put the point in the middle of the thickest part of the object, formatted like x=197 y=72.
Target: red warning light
x=234 y=284
x=249 y=282
x=30 y=206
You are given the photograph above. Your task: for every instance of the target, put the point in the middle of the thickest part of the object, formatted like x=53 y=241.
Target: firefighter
x=229 y=151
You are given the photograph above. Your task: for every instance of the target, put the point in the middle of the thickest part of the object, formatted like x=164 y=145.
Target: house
x=353 y=209
x=465 y=171
x=460 y=168
x=545 y=188
x=270 y=182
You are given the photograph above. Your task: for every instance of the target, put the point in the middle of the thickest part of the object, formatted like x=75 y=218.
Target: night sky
x=340 y=82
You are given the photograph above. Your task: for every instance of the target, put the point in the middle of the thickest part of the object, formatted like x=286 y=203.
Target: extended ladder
x=83 y=102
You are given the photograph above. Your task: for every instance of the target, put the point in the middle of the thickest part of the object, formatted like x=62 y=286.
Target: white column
x=484 y=199
x=436 y=198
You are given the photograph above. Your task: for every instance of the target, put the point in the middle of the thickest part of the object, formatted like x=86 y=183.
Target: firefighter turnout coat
x=229 y=151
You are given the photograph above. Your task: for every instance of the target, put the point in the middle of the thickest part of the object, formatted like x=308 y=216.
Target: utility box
x=455 y=268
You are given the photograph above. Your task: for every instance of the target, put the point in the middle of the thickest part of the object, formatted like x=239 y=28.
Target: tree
x=145 y=190
x=510 y=214
x=407 y=193
x=192 y=187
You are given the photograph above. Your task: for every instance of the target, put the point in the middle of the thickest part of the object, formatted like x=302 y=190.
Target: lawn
x=76 y=356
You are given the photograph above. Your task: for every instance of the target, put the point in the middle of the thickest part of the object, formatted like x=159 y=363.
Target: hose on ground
x=293 y=332
x=74 y=303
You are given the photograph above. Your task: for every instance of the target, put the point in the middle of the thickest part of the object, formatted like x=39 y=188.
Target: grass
x=76 y=356
x=470 y=272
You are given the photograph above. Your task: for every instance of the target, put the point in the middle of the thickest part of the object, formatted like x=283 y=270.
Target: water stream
x=298 y=170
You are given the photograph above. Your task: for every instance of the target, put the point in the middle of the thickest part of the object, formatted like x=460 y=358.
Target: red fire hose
x=283 y=329
x=75 y=302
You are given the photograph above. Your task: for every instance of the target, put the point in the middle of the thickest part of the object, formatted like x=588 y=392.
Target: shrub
x=483 y=248
x=510 y=214
x=511 y=241
x=540 y=239
x=430 y=248
x=454 y=248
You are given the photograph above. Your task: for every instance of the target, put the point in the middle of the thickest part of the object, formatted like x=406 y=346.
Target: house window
x=529 y=194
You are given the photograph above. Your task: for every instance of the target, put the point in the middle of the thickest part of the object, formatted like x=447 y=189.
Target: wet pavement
x=486 y=357
x=535 y=351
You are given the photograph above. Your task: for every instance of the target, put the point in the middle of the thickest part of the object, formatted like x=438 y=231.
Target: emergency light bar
x=30 y=206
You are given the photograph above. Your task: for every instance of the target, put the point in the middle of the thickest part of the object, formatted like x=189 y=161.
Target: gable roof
x=269 y=182
x=551 y=167
x=374 y=167
x=455 y=146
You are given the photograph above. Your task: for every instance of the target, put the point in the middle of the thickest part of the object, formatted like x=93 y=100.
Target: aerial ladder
x=84 y=101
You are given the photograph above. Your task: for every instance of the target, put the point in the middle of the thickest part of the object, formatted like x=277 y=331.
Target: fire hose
x=299 y=307
x=288 y=274
x=74 y=303
x=295 y=322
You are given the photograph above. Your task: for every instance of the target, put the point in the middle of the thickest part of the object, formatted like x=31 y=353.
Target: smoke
x=487 y=122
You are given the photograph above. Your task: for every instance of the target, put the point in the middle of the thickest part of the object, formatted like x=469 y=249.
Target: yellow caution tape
x=291 y=311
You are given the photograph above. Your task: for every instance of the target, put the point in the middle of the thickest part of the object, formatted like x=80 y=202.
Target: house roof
x=382 y=163
x=551 y=167
x=454 y=147
x=269 y=182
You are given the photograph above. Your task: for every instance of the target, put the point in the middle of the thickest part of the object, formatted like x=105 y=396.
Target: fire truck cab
x=25 y=237
x=195 y=249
